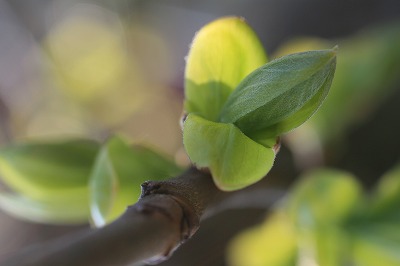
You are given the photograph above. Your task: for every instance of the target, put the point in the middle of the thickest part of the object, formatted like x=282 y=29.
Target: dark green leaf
x=282 y=94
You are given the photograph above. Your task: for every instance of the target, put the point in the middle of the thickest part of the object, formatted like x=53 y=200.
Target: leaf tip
x=334 y=51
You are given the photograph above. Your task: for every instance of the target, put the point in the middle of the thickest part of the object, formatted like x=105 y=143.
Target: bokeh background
x=96 y=68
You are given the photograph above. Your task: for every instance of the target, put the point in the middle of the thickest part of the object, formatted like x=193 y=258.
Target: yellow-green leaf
x=235 y=161
x=222 y=53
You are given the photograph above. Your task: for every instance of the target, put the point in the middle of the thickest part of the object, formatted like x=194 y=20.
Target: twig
x=167 y=214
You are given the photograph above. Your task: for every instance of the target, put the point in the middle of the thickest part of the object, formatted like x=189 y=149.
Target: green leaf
x=324 y=197
x=48 y=170
x=293 y=120
x=235 y=161
x=118 y=172
x=75 y=210
x=222 y=53
x=282 y=94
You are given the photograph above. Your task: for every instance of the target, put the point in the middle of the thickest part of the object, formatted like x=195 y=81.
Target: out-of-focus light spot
x=95 y=65
x=89 y=52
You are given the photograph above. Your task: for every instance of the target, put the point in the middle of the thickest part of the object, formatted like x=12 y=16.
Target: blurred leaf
x=376 y=245
x=331 y=245
x=281 y=94
x=222 y=53
x=375 y=232
x=386 y=198
x=331 y=224
x=319 y=207
x=272 y=243
x=75 y=210
x=235 y=161
x=118 y=172
x=48 y=170
x=324 y=197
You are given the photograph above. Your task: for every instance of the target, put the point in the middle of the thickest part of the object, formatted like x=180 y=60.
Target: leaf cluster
x=238 y=104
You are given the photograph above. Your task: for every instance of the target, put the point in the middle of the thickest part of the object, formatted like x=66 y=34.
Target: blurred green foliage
x=69 y=181
x=327 y=221
x=48 y=169
x=46 y=177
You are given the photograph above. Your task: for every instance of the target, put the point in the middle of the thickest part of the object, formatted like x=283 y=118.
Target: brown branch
x=167 y=214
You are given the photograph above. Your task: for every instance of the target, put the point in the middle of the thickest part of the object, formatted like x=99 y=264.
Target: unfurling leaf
x=282 y=94
x=235 y=104
x=222 y=54
x=118 y=172
x=235 y=161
